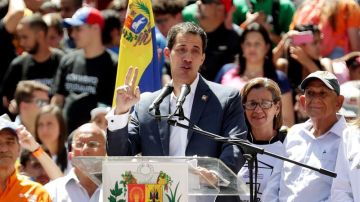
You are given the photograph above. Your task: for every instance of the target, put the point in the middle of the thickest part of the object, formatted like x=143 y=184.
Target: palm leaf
x=142 y=6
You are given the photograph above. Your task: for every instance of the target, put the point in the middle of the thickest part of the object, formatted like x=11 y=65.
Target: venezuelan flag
x=138 y=47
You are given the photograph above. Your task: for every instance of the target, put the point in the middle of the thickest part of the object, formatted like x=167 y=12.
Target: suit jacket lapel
x=164 y=128
x=201 y=97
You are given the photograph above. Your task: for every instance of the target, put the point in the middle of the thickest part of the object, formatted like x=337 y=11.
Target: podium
x=160 y=178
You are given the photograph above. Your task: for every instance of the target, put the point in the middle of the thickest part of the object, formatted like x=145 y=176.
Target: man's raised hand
x=128 y=94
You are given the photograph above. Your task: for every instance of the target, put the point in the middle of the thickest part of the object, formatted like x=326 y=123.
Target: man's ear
x=339 y=101
x=167 y=52
x=302 y=101
x=203 y=58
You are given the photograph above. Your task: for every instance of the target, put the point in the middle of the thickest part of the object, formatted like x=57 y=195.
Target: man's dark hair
x=173 y=7
x=35 y=22
x=186 y=28
x=112 y=21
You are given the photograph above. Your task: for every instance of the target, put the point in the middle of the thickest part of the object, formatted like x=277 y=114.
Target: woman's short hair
x=273 y=88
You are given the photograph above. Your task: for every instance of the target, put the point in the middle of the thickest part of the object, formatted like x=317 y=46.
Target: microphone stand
x=251 y=150
x=157 y=113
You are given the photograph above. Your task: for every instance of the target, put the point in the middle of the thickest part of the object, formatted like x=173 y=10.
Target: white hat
x=5 y=123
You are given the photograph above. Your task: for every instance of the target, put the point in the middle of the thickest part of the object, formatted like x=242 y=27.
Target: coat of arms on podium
x=146 y=182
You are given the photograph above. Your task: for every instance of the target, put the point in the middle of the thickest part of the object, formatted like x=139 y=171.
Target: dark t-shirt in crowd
x=7 y=49
x=7 y=54
x=222 y=46
x=85 y=83
x=24 y=67
x=95 y=76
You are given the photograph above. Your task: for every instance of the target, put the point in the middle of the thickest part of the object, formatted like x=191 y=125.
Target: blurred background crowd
x=55 y=76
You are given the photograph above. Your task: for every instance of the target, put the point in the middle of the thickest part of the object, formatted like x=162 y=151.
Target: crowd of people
x=282 y=74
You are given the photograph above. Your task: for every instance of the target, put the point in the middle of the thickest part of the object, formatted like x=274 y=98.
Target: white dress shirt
x=290 y=182
x=346 y=186
x=178 y=136
x=69 y=189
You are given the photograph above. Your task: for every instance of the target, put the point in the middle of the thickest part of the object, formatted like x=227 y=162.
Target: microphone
x=165 y=91
x=184 y=91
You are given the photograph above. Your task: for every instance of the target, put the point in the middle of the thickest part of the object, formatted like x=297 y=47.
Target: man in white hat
x=314 y=143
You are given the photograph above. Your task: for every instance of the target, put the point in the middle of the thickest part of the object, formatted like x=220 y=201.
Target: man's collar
x=339 y=126
x=71 y=176
x=336 y=128
x=193 y=87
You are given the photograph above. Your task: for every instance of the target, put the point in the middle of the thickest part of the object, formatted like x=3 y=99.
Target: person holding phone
x=301 y=48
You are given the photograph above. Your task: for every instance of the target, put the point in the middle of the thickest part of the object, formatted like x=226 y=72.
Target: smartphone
x=302 y=38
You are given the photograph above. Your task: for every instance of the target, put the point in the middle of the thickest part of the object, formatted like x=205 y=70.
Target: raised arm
x=28 y=142
x=127 y=96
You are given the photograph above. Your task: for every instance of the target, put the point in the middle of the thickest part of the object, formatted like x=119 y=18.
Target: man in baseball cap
x=85 y=15
x=6 y=126
x=13 y=186
x=325 y=77
x=314 y=142
x=87 y=74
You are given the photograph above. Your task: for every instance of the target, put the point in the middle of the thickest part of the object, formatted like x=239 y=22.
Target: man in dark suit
x=210 y=106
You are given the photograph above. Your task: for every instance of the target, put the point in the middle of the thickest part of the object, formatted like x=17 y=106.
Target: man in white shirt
x=88 y=140
x=314 y=142
x=210 y=106
x=345 y=187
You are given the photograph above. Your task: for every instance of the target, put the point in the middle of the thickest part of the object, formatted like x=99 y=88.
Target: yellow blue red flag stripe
x=138 y=47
